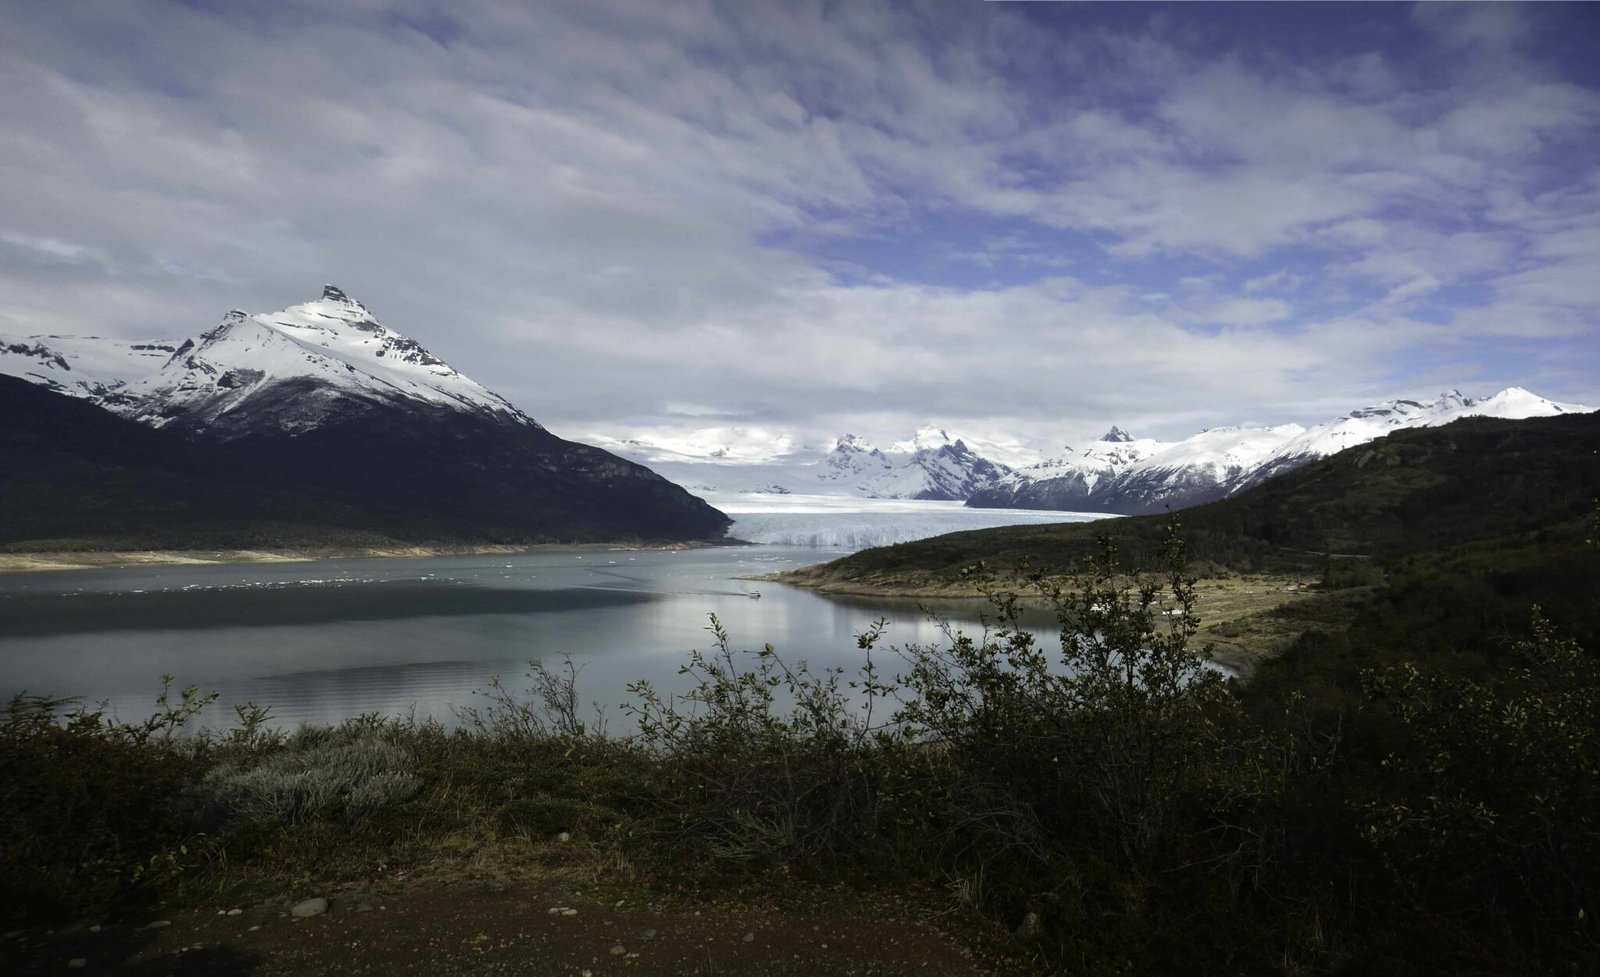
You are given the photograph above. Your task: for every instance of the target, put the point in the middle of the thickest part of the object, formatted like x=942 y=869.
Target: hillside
x=75 y=475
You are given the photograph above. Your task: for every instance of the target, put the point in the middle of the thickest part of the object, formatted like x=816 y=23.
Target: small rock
x=569 y=912
x=309 y=907
x=159 y=924
x=77 y=963
x=235 y=912
x=1028 y=929
x=618 y=950
x=96 y=928
x=749 y=937
x=647 y=934
x=365 y=907
x=564 y=836
x=253 y=928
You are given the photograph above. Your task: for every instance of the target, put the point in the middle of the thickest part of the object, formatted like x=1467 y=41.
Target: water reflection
x=325 y=641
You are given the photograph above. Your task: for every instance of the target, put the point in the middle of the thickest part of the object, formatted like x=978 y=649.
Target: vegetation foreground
x=1110 y=802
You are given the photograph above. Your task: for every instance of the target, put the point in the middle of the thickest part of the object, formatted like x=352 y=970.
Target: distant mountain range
x=1130 y=476
x=1117 y=473
x=325 y=402
x=1526 y=485
x=929 y=465
x=323 y=398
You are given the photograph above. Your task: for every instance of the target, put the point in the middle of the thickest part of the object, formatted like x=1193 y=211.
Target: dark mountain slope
x=474 y=473
x=75 y=475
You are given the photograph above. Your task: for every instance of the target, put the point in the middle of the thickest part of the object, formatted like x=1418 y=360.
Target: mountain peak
x=927 y=438
x=1116 y=434
x=334 y=293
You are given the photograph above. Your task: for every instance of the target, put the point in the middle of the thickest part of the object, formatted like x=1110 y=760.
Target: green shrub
x=1483 y=808
x=1083 y=784
x=90 y=811
x=766 y=761
x=1341 y=574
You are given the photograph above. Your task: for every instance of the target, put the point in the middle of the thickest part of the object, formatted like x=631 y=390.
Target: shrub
x=353 y=771
x=772 y=761
x=1482 y=813
x=1340 y=574
x=89 y=812
x=1080 y=782
x=552 y=713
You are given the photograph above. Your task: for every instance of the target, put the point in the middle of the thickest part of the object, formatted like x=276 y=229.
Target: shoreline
x=1236 y=613
x=66 y=560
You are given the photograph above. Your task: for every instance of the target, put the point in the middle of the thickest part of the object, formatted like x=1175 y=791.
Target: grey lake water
x=325 y=641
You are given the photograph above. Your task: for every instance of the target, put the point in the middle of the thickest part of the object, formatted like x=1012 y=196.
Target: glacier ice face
x=843 y=523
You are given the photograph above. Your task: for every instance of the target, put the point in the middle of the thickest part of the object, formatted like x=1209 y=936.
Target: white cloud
x=616 y=211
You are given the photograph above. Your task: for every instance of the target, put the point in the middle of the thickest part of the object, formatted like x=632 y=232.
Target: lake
x=324 y=641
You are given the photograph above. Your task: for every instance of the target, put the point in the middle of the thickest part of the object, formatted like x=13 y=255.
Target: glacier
x=834 y=522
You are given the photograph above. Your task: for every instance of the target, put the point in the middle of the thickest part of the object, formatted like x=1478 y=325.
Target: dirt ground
x=476 y=929
x=1235 y=617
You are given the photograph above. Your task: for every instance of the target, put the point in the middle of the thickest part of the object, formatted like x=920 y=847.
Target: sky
x=1021 y=221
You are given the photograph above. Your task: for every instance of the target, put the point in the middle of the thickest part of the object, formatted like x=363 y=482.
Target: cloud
x=628 y=215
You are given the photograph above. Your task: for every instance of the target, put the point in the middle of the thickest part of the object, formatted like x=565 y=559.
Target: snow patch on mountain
x=1370 y=423
x=713 y=445
x=82 y=366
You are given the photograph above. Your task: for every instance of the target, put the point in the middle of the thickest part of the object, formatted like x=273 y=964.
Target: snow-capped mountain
x=253 y=366
x=930 y=465
x=291 y=370
x=1127 y=476
x=324 y=394
x=1370 y=423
